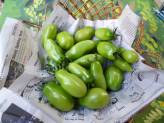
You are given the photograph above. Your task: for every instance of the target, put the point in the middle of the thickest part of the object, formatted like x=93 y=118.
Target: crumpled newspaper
x=14 y=109
x=139 y=87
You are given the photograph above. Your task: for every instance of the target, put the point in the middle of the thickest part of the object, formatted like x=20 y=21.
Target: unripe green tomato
x=80 y=49
x=54 y=51
x=123 y=65
x=85 y=33
x=107 y=50
x=104 y=34
x=96 y=98
x=130 y=56
x=121 y=50
x=98 y=75
x=65 y=40
x=86 y=60
x=59 y=98
x=71 y=83
x=49 y=32
x=81 y=72
x=114 y=78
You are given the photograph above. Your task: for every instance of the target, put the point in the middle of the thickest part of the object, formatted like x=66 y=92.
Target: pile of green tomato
x=84 y=81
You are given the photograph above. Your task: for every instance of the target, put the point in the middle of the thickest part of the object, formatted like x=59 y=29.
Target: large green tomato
x=98 y=75
x=107 y=50
x=96 y=98
x=114 y=78
x=80 y=71
x=80 y=49
x=104 y=34
x=123 y=65
x=71 y=83
x=58 y=97
x=85 y=33
x=65 y=40
x=130 y=56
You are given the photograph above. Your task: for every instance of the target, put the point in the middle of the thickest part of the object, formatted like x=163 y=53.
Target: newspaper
x=15 y=50
x=14 y=109
x=139 y=87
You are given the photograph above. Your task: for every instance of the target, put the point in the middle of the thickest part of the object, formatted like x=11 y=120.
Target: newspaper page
x=139 y=87
x=15 y=109
x=15 y=50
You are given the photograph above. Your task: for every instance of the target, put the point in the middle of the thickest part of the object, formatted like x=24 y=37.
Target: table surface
x=151 y=43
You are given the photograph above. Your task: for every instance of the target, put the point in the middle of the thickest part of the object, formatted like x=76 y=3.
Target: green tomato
x=96 y=98
x=65 y=40
x=58 y=97
x=107 y=50
x=104 y=34
x=121 y=50
x=54 y=51
x=81 y=72
x=114 y=78
x=71 y=83
x=85 y=33
x=98 y=75
x=86 y=60
x=51 y=66
x=80 y=49
x=123 y=65
x=130 y=56
x=49 y=32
